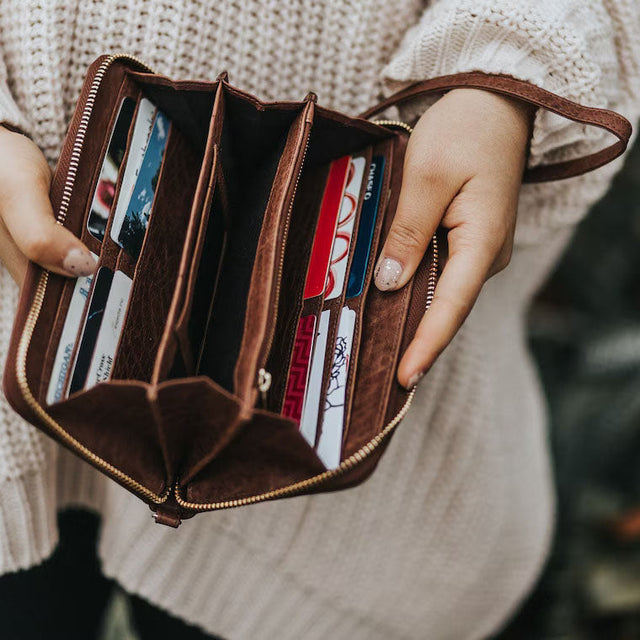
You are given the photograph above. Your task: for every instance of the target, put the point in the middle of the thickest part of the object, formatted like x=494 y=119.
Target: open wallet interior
x=190 y=389
x=230 y=347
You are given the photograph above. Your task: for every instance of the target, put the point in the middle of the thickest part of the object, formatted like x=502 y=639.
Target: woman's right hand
x=28 y=230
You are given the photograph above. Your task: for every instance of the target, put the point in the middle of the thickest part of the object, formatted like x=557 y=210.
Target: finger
x=12 y=258
x=460 y=283
x=425 y=194
x=503 y=258
x=28 y=216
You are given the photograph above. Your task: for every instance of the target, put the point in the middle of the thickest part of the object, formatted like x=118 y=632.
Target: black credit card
x=93 y=320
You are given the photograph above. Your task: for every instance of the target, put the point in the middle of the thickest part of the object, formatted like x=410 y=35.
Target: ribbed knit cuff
x=28 y=527
x=564 y=47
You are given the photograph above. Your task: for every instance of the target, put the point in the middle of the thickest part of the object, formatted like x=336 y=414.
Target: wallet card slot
x=192 y=327
x=304 y=219
x=127 y=89
x=336 y=305
x=383 y=317
x=115 y=86
x=109 y=257
x=156 y=271
x=54 y=339
x=356 y=303
x=330 y=139
x=173 y=361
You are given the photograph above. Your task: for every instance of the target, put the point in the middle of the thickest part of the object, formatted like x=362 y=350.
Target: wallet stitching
x=360 y=301
x=252 y=358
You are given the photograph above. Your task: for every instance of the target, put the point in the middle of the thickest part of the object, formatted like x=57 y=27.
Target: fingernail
x=414 y=379
x=79 y=262
x=388 y=274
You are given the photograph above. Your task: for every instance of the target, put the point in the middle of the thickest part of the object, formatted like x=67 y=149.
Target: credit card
x=326 y=229
x=115 y=312
x=136 y=219
x=137 y=148
x=370 y=206
x=70 y=329
x=299 y=369
x=330 y=443
x=106 y=188
x=309 y=420
x=344 y=231
x=93 y=320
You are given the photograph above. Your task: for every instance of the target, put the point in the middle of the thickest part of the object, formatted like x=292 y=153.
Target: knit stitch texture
x=452 y=529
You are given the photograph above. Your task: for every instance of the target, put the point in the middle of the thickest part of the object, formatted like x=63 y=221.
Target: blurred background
x=585 y=334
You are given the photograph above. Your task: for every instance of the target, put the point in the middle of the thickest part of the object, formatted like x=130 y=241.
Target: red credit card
x=299 y=371
x=326 y=230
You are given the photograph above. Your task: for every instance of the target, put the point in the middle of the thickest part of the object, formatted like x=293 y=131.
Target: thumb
x=424 y=197
x=27 y=213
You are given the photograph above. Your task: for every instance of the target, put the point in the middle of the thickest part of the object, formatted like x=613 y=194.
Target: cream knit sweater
x=450 y=532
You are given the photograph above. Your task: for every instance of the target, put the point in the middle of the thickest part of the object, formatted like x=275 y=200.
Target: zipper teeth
x=432 y=280
x=394 y=123
x=36 y=305
x=285 y=234
x=347 y=464
x=78 y=143
x=354 y=459
x=388 y=123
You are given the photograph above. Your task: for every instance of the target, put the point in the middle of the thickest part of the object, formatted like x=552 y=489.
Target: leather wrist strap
x=506 y=85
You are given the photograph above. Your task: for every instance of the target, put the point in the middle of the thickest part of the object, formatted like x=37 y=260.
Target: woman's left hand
x=463 y=169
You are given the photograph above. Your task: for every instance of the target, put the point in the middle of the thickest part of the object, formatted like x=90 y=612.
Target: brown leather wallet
x=188 y=420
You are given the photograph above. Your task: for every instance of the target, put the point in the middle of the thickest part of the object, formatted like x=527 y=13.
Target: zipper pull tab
x=264 y=384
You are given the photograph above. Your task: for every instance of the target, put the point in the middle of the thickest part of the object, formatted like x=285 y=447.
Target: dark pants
x=66 y=597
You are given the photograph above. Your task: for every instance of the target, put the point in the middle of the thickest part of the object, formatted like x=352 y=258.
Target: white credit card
x=113 y=318
x=346 y=220
x=79 y=297
x=329 y=448
x=139 y=141
x=309 y=420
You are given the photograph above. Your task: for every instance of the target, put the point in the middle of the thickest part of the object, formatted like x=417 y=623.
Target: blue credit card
x=136 y=220
x=366 y=228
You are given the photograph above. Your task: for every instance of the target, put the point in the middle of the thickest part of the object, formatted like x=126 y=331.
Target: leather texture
x=608 y=120
x=188 y=439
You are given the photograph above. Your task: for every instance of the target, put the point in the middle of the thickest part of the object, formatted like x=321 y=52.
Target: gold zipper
x=36 y=305
x=264 y=377
x=260 y=382
x=398 y=124
x=347 y=464
x=362 y=453
x=264 y=384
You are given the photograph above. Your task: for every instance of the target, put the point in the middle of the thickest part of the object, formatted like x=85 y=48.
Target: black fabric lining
x=250 y=149
x=190 y=111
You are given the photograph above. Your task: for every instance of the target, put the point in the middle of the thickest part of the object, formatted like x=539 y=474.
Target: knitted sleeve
x=10 y=114
x=588 y=52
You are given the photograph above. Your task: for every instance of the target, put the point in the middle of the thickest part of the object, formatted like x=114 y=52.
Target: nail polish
x=414 y=379
x=79 y=262
x=388 y=274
